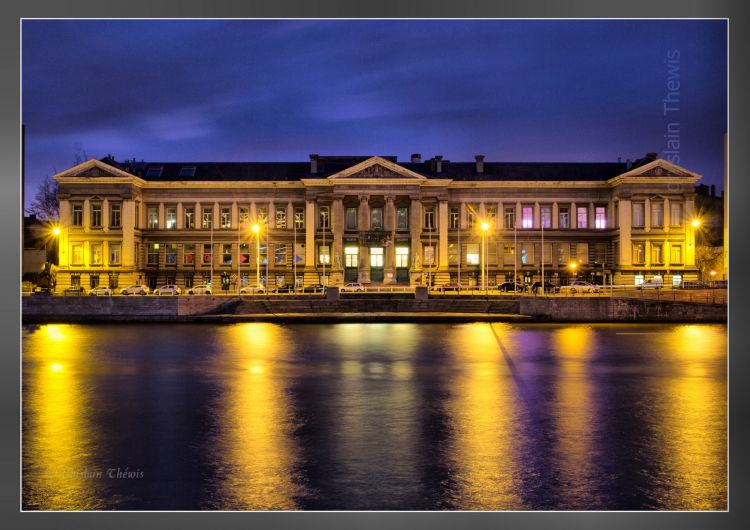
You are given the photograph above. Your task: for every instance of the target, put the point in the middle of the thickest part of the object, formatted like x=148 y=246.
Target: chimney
x=651 y=156
x=619 y=160
x=480 y=163
x=628 y=164
x=438 y=163
x=416 y=158
x=713 y=190
x=313 y=164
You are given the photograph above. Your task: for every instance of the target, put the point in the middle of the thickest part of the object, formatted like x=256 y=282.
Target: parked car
x=579 y=286
x=253 y=289
x=651 y=284
x=509 y=287
x=100 y=291
x=136 y=289
x=284 y=289
x=168 y=289
x=200 y=289
x=536 y=288
x=74 y=291
x=352 y=287
x=315 y=288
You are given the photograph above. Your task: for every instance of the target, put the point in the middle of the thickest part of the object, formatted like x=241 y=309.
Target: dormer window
x=187 y=171
x=154 y=171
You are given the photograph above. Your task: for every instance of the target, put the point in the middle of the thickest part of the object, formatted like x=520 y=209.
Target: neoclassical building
x=374 y=220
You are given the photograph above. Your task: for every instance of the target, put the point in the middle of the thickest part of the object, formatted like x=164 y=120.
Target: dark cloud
x=279 y=90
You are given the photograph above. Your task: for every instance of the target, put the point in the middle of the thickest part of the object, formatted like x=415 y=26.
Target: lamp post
x=484 y=226
x=55 y=237
x=256 y=230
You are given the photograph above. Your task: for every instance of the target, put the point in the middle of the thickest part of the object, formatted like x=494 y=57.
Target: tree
x=45 y=204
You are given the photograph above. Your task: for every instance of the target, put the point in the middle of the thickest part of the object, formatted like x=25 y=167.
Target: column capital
x=364 y=198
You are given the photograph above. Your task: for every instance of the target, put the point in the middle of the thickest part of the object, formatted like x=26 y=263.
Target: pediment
x=659 y=168
x=377 y=168
x=93 y=168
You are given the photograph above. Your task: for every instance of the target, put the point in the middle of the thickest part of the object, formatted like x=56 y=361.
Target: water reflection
x=376 y=416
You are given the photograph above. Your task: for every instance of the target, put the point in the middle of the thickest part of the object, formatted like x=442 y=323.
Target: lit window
x=472 y=253
x=77 y=215
x=153 y=217
x=527 y=217
x=207 y=254
x=280 y=255
x=114 y=215
x=509 y=254
x=402 y=257
x=226 y=217
x=351 y=256
x=676 y=280
x=114 y=253
x=582 y=217
x=299 y=217
x=261 y=213
x=244 y=253
x=189 y=217
x=325 y=217
x=600 y=218
x=657 y=253
x=76 y=254
x=639 y=252
x=546 y=216
x=244 y=214
x=376 y=257
x=153 y=254
x=208 y=217
x=96 y=254
x=226 y=254
x=563 y=215
x=188 y=255
x=281 y=217
x=324 y=257
x=172 y=254
x=510 y=218
x=639 y=279
x=454 y=218
x=429 y=255
x=171 y=213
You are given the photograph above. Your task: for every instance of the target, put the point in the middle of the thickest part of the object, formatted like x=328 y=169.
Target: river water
x=259 y=416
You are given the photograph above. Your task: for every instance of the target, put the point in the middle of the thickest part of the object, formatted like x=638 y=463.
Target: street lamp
x=696 y=223
x=256 y=230
x=485 y=226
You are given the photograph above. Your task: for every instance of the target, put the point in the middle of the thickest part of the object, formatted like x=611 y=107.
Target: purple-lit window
x=527 y=217
x=583 y=217
x=600 y=217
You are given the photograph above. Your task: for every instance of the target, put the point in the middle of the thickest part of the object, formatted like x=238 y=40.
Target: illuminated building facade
x=374 y=220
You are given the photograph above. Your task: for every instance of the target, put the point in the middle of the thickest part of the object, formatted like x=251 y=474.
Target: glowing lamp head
x=573 y=266
x=56 y=231
x=713 y=273
x=256 y=228
x=696 y=223
x=485 y=226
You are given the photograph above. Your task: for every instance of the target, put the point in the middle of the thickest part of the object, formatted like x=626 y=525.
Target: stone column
x=289 y=216
x=555 y=216
x=337 y=229
x=443 y=235
x=537 y=216
x=666 y=218
x=690 y=232
x=127 y=256
x=180 y=217
x=105 y=219
x=573 y=216
x=310 y=260
x=86 y=215
x=647 y=216
x=162 y=218
x=363 y=215
x=611 y=214
x=462 y=216
x=518 y=215
x=235 y=218
x=415 y=231
x=66 y=221
x=389 y=223
x=624 y=222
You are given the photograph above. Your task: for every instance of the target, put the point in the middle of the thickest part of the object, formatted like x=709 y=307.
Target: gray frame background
x=10 y=229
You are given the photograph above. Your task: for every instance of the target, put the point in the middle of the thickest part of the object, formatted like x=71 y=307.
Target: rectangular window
x=351 y=256
x=244 y=253
x=77 y=215
x=376 y=219
x=152 y=214
x=96 y=215
x=172 y=254
x=153 y=254
x=429 y=218
x=452 y=253
x=189 y=280
x=600 y=218
x=325 y=217
x=402 y=218
x=189 y=217
x=491 y=212
x=657 y=253
x=207 y=219
x=188 y=254
x=226 y=217
x=114 y=280
x=582 y=217
x=115 y=210
x=376 y=257
x=675 y=214
x=638 y=220
x=402 y=257
x=675 y=257
x=324 y=257
x=299 y=217
x=509 y=254
x=454 y=218
x=114 y=253
x=526 y=251
x=527 y=217
x=657 y=214
x=600 y=252
x=546 y=216
x=582 y=253
x=563 y=217
x=96 y=254
x=207 y=254
x=137 y=220
x=75 y=280
x=261 y=212
x=472 y=254
x=563 y=254
x=171 y=213
x=639 y=253
x=76 y=254
x=429 y=255
x=281 y=217
x=471 y=216
x=351 y=218
x=244 y=215
x=93 y=281
x=510 y=218
x=226 y=254
x=280 y=255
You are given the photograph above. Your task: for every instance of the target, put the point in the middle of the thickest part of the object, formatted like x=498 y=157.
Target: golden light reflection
x=573 y=346
x=483 y=415
x=254 y=446
x=692 y=419
x=58 y=438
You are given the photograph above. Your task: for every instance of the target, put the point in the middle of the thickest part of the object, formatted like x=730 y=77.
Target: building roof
x=329 y=165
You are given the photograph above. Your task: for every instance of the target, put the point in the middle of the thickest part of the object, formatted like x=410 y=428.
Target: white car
x=200 y=289
x=136 y=289
x=253 y=289
x=168 y=289
x=100 y=291
x=352 y=287
x=579 y=286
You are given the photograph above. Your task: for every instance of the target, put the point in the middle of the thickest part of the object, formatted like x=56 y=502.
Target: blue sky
x=280 y=90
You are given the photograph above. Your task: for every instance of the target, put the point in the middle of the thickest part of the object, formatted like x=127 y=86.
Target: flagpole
x=239 y=260
x=211 y=282
x=294 y=249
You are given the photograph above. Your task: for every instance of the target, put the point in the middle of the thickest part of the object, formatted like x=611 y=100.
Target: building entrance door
x=351 y=264
x=402 y=265
x=376 y=264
